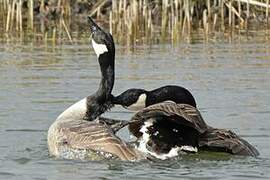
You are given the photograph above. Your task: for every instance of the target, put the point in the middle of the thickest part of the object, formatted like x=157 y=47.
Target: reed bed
x=35 y=18
x=176 y=19
x=131 y=21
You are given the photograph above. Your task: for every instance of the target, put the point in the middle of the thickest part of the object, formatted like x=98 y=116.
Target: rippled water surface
x=230 y=81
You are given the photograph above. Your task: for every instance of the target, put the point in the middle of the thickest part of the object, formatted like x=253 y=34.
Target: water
x=230 y=81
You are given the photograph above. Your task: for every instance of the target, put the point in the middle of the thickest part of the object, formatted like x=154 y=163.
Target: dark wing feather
x=226 y=141
x=181 y=113
x=115 y=124
x=90 y=135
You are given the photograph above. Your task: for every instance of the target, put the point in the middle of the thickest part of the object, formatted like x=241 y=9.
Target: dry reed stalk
x=98 y=13
x=67 y=9
x=2 y=15
x=235 y=12
x=230 y=13
x=149 y=26
x=247 y=18
x=66 y=29
x=267 y=10
x=145 y=16
x=5 y=5
x=20 y=16
x=42 y=11
x=30 y=14
x=177 y=19
x=124 y=7
x=222 y=14
x=233 y=18
x=42 y=6
x=130 y=29
x=174 y=30
x=205 y=23
x=120 y=6
x=172 y=23
x=181 y=18
x=239 y=7
x=164 y=18
x=17 y=16
x=58 y=4
x=97 y=6
x=112 y=18
x=241 y=20
x=209 y=9
x=135 y=19
x=54 y=34
x=119 y=25
x=256 y=3
x=187 y=15
x=8 y=17
x=215 y=21
x=60 y=31
x=176 y=5
x=184 y=25
x=12 y=14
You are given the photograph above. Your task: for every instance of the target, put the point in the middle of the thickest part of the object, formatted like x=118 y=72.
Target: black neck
x=100 y=101
x=176 y=94
x=106 y=62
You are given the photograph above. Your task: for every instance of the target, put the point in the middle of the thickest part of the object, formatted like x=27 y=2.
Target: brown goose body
x=72 y=137
x=210 y=139
x=79 y=132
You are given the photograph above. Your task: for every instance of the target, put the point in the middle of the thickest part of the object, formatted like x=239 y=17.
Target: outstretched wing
x=180 y=113
x=91 y=135
x=226 y=141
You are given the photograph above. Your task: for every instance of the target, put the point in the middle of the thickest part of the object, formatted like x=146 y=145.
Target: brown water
x=230 y=81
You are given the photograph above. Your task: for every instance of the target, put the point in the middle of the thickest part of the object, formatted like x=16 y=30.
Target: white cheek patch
x=139 y=104
x=99 y=48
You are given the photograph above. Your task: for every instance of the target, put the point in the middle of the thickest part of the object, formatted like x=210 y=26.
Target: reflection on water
x=230 y=81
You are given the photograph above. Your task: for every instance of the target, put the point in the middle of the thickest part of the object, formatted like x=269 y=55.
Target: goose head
x=132 y=99
x=102 y=41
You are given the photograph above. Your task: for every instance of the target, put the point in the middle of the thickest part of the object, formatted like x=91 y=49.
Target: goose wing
x=115 y=124
x=181 y=113
x=91 y=135
x=227 y=141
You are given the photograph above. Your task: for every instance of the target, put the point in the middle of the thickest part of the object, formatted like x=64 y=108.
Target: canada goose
x=168 y=128
x=79 y=132
x=137 y=99
x=165 y=129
